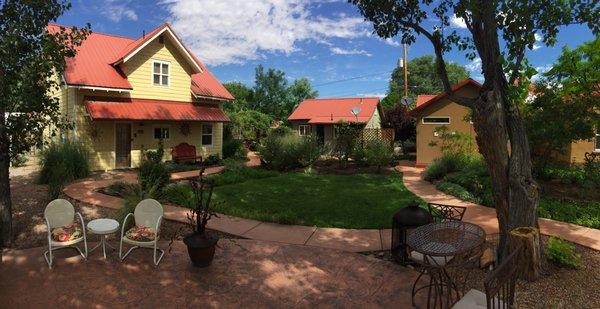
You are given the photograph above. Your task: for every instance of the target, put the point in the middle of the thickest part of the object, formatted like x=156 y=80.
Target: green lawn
x=354 y=201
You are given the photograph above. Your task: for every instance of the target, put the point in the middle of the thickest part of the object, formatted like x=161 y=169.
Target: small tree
x=378 y=153
x=32 y=61
x=250 y=126
x=403 y=123
x=452 y=141
x=567 y=98
x=346 y=136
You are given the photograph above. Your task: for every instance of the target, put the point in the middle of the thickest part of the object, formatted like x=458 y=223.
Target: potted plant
x=200 y=242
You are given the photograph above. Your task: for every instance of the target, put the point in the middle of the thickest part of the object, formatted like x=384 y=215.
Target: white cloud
x=372 y=94
x=474 y=66
x=118 y=11
x=538 y=38
x=458 y=22
x=391 y=42
x=541 y=70
x=342 y=51
x=233 y=31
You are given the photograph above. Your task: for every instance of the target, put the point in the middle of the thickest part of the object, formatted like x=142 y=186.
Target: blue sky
x=323 y=40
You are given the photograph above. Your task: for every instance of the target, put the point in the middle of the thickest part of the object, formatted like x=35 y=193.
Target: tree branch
x=441 y=66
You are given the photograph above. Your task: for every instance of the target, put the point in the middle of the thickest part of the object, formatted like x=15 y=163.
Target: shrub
x=563 y=253
x=18 y=160
x=179 y=194
x=347 y=134
x=118 y=188
x=564 y=174
x=281 y=131
x=213 y=159
x=61 y=163
x=446 y=164
x=155 y=156
x=153 y=176
x=233 y=148
x=290 y=151
x=309 y=150
x=580 y=213
x=378 y=153
x=458 y=191
x=359 y=154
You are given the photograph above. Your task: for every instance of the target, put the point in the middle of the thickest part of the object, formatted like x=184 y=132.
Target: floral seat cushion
x=141 y=233
x=66 y=233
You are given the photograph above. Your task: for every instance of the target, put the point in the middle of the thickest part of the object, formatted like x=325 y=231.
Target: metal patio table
x=442 y=245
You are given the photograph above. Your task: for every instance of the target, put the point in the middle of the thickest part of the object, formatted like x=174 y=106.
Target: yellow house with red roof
x=124 y=95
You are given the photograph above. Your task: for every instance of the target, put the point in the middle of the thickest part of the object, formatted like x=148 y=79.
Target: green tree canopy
x=272 y=94
x=31 y=63
x=566 y=105
x=422 y=79
x=242 y=95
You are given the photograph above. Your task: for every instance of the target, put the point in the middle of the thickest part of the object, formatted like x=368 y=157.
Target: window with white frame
x=161 y=133
x=207 y=134
x=160 y=73
x=436 y=120
x=303 y=129
x=597 y=140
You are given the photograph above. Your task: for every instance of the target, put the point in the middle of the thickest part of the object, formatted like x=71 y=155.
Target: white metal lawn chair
x=148 y=216
x=63 y=231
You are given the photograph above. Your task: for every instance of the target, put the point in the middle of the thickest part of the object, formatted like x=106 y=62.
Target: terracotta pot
x=201 y=248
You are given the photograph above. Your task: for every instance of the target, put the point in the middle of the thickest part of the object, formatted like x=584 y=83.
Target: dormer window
x=160 y=73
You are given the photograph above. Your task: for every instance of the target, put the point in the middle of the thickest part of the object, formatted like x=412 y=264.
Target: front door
x=321 y=132
x=122 y=145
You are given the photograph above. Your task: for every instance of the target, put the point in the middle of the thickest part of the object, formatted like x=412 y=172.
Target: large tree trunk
x=5 y=197
x=501 y=135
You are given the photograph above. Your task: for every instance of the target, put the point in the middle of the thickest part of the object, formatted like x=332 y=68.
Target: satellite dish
x=355 y=111
x=405 y=101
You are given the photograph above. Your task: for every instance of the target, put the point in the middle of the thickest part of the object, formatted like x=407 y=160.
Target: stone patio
x=245 y=273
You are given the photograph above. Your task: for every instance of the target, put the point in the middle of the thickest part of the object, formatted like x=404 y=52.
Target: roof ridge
x=97 y=32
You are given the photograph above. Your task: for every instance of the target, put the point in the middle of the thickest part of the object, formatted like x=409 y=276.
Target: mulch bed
x=557 y=288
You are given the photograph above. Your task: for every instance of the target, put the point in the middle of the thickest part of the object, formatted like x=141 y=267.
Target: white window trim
x=306 y=130
x=161 y=62
x=436 y=123
x=212 y=134
x=161 y=127
x=596 y=141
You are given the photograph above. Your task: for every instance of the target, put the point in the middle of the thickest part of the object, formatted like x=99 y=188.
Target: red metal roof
x=93 y=64
x=422 y=98
x=325 y=111
x=442 y=95
x=158 y=110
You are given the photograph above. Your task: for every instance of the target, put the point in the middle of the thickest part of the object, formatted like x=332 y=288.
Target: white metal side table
x=103 y=227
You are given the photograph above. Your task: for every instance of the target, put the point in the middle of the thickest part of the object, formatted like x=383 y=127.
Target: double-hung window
x=161 y=133
x=207 y=134
x=160 y=73
x=303 y=130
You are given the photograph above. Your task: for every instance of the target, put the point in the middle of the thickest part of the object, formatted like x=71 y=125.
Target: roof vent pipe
x=331 y=117
x=143 y=34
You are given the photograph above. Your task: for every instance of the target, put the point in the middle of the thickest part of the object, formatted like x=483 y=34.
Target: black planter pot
x=201 y=247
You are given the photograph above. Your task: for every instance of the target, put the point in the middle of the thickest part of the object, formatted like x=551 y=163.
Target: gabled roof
x=422 y=98
x=96 y=63
x=326 y=111
x=134 y=47
x=442 y=95
x=145 y=110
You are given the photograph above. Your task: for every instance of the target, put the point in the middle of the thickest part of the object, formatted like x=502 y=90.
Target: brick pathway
x=245 y=273
x=351 y=240
x=486 y=216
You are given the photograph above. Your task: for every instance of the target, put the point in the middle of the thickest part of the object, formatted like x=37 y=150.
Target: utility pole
x=405 y=65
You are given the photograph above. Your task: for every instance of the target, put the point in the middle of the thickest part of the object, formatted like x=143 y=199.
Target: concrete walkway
x=353 y=240
x=245 y=273
x=486 y=216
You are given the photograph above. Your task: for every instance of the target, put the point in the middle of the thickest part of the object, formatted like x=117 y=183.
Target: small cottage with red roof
x=123 y=95
x=319 y=116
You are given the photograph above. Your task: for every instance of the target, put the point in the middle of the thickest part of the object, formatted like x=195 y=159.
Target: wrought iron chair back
x=443 y=213
x=500 y=283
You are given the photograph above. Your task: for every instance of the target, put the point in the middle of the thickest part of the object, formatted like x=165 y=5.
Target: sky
x=326 y=41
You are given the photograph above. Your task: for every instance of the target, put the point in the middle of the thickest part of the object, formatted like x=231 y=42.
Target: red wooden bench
x=185 y=152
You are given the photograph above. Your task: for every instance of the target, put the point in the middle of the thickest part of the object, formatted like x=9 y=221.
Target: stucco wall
x=443 y=108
